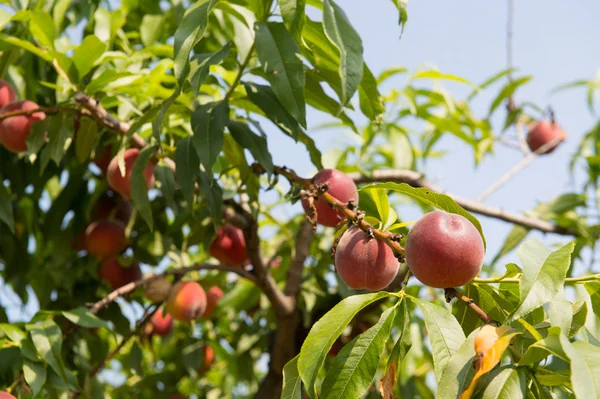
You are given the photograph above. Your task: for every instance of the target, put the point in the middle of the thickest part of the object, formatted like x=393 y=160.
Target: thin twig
x=240 y=73
x=294 y=277
x=452 y=293
x=46 y=110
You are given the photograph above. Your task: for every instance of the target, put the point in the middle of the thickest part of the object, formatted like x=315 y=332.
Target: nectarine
x=229 y=246
x=117 y=275
x=122 y=184
x=542 y=133
x=15 y=130
x=341 y=187
x=162 y=323
x=187 y=301
x=105 y=238
x=363 y=262
x=213 y=295
x=444 y=250
x=7 y=93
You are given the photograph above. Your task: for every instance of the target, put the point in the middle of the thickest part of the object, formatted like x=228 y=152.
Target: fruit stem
x=452 y=293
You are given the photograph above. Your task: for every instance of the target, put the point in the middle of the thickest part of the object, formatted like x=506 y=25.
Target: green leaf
x=200 y=66
x=353 y=370
x=41 y=27
x=439 y=75
x=292 y=384
x=543 y=275
x=313 y=151
x=580 y=312
x=266 y=100
x=325 y=331
x=402 y=13
x=208 y=124
x=157 y=115
x=82 y=317
x=47 y=339
x=340 y=32
x=166 y=178
x=585 y=367
x=188 y=168
x=188 y=34
x=370 y=100
x=318 y=99
x=60 y=129
x=459 y=371
x=13 y=333
x=279 y=56
x=445 y=334
x=150 y=28
x=90 y=50
x=507 y=92
x=380 y=198
x=426 y=196
x=257 y=145
x=35 y=375
x=6 y=208
x=490 y=81
x=26 y=45
x=213 y=194
x=294 y=17
x=139 y=187
x=85 y=138
x=515 y=237
x=509 y=383
x=560 y=312
x=593 y=288
x=468 y=319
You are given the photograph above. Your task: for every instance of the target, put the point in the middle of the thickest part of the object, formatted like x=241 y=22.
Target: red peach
x=15 y=130
x=444 y=250
x=213 y=295
x=162 y=323
x=122 y=184
x=105 y=238
x=542 y=133
x=364 y=262
x=209 y=359
x=117 y=275
x=7 y=93
x=341 y=187
x=187 y=301
x=6 y=395
x=229 y=246
x=116 y=207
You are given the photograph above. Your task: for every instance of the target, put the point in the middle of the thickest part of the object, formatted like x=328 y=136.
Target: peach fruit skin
x=6 y=395
x=122 y=184
x=209 y=358
x=213 y=295
x=117 y=275
x=187 y=301
x=444 y=250
x=105 y=238
x=7 y=93
x=363 y=262
x=229 y=246
x=15 y=130
x=544 y=132
x=341 y=187
x=162 y=323
x=116 y=208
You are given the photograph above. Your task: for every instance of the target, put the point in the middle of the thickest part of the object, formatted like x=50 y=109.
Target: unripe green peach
x=363 y=262
x=7 y=93
x=122 y=183
x=542 y=133
x=118 y=275
x=341 y=187
x=105 y=238
x=187 y=301
x=444 y=250
x=15 y=130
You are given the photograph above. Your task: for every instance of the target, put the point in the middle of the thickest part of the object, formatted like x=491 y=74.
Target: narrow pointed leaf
x=139 y=187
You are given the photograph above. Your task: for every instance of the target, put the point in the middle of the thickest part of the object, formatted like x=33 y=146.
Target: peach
x=209 y=359
x=341 y=187
x=229 y=246
x=105 y=238
x=6 y=395
x=187 y=301
x=15 y=130
x=7 y=93
x=118 y=275
x=162 y=323
x=444 y=250
x=542 y=133
x=108 y=207
x=213 y=295
x=122 y=184
x=102 y=158
x=363 y=262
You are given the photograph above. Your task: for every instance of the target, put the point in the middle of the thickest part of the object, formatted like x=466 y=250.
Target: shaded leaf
x=139 y=187
x=370 y=100
x=200 y=66
x=208 y=123
x=188 y=168
x=292 y=384
x=82 y=317
x=257 y=145
x=85 y=138
x=509 y=383
x=6 y=208
x=292 y=12
x=35 y=375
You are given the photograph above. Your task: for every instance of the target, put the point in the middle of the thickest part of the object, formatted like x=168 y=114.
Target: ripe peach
x=341 y=187
x=209 y=359
x=364 y=262
x=229 y=246
x=544 y=132
x=6 y=395
x=213 y=295
x=116 y=208
x=117 y=275
x=7 y=93
x=187 y=301
x=102 y=158
x=162 y=323
x=122 y=184
x=15 y=130
x=444 y=250
x=105 y=238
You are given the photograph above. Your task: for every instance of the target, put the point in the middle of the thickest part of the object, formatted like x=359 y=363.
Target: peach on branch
x=187 y=301
x=7 y=93
x=112 y=207
x=444 y=250
x=229 y=246
x=213 y=295
x=542 y=133
x=15 y=130
x=209 y=359
x=341 y=187
x=117 y=275
x=363 y=262
x=162 y=323
x=6 y=395
x=105 y=238
x=122 y=183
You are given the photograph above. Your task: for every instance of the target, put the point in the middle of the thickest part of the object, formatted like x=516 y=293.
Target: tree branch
x=415 y=179
x=452 y=293
x=294 y=277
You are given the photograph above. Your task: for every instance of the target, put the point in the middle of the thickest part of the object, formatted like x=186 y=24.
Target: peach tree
x=169 y=255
